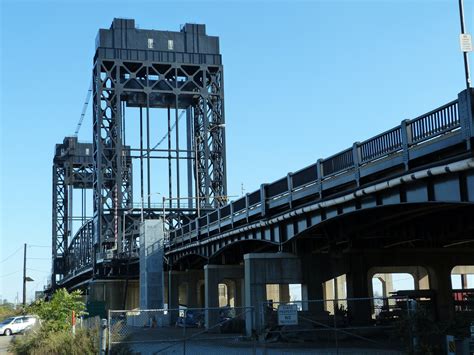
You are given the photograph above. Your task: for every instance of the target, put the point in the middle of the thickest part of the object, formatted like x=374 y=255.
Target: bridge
x=402 y=200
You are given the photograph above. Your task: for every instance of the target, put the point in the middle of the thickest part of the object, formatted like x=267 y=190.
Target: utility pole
x=24 y=276
x=465 y=51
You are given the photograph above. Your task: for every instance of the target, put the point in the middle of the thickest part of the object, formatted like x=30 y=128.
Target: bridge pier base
x=213 y=276
x=110 y=294
x=262 y=269
x=357 y=283
x=184 y=290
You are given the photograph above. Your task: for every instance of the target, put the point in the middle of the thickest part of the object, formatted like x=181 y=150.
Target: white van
x=14 y=325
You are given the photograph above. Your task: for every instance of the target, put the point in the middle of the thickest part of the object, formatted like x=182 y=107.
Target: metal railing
x=345 y=166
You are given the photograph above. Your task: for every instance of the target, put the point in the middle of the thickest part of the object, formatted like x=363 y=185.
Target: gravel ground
x=4 y=343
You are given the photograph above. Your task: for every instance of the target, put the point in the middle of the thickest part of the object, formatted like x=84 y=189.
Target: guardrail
x=344 y=166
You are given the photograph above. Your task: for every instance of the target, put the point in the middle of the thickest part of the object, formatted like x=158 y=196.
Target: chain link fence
x=393 y=325
x=362 y=323
x=181 y=331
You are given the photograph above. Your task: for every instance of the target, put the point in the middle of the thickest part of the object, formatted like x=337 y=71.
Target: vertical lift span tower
x=158 y=148
x=144 y=83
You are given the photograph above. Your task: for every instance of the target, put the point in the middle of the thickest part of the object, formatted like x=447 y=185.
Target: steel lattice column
x=60 y=218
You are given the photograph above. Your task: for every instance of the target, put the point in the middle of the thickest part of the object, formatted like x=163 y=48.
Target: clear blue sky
x=303 y=80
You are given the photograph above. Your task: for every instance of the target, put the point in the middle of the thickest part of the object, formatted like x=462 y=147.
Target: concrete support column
x=213 y=275
x=314 y=269
x=441 y=283
x=262 y=269
x=173 y=294
x=192 y=278
x=422 y=282
x=176 y=279
x=359 y=308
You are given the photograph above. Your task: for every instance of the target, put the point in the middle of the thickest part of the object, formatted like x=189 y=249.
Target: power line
x=39 y=258
x=166 y=135
x=8 y=257
x=84 y=109
x=29 y=268
x=12 y=273
x=38 y=246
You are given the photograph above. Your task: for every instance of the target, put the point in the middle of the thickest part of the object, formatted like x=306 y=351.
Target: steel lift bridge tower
x=158 y=127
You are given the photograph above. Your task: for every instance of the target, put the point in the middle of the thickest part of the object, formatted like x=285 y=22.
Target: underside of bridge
x=432 y=237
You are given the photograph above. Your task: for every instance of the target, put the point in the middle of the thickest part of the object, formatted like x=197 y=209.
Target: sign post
x=73 y=322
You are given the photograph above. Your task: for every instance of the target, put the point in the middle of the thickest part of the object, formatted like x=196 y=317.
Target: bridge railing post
x=356 y=160
x=263 y=199
x=406 y=141
x=466 y=115
x=319 y=174
x=289 y=178
x=247 y=207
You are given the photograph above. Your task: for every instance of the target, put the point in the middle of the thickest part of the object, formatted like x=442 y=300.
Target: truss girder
x=148 y=84
x=60 y=211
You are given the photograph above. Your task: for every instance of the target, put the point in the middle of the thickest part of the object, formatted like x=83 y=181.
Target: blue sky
x=303 y=80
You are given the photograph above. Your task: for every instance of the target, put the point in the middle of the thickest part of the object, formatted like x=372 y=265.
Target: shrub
x=56 y=314
x=62 y=342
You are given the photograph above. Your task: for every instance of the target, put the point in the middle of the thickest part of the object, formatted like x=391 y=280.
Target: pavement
x=177 y=341
x=4 y=343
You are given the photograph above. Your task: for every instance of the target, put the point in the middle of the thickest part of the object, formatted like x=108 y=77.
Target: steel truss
x=72 y=169
x=126 y=77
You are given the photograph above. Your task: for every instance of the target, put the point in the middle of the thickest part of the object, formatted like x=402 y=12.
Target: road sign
x=466 y=42
x=288 y=314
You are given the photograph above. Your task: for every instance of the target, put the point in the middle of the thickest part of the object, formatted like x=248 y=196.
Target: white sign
x=466 y=42
x=288 y=314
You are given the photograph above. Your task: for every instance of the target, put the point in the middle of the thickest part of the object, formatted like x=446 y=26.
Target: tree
x=56 y=314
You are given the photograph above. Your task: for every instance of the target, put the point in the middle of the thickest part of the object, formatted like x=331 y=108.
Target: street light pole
x=24 y=276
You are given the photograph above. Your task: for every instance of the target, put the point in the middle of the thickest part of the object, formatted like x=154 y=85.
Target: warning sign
x=288 y=314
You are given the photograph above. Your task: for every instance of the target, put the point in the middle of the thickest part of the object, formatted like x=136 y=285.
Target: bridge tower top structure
x=144 y=83
x=72 y=169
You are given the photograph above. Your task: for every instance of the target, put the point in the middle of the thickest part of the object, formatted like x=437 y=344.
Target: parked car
x=18 y=324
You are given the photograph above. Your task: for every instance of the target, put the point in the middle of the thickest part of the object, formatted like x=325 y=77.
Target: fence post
x=184 y=331
x=255 y=338
x=335 y=307
x=103 y=337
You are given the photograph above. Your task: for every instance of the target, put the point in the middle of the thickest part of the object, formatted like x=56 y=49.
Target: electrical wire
x=8 y=257
x=38 y=246
x=12 y=273
x=38 y=258
x=166 y=135
x=84 y=109
x=32 y=269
